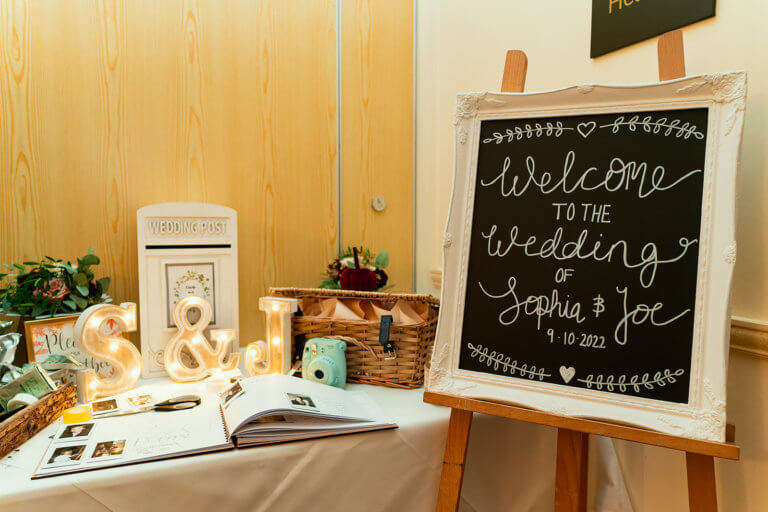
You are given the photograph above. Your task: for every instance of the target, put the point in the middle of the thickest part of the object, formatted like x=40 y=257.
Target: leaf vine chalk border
x=548 y=130
x=662 y=125
x=660 y=378
x=498 y=360
x=674 y=127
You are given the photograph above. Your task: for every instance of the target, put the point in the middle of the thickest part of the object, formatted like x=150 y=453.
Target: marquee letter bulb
x=274 y=357
x=116 y=350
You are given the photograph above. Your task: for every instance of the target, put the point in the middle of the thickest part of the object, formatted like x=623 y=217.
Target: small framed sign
x=184 y=249
x=56 y=336
x=589 y=252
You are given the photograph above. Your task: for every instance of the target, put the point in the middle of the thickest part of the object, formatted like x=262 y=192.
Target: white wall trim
x=749 y=336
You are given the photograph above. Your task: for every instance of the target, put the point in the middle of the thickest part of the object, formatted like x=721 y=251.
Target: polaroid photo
x=103 y=406
x=75 y=432
x=137 y=401
x=301 y=401
x=107 y=450
x=234 y=391
x=65 y=456
x=276 y=418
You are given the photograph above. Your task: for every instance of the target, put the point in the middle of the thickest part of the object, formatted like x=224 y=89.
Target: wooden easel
x=573 y=433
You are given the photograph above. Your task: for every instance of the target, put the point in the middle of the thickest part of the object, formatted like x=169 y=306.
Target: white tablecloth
x=388 y=470
x=510 y=467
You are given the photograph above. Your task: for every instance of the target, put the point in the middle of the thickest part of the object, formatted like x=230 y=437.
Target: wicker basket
x=366 y=360
x=20 y=427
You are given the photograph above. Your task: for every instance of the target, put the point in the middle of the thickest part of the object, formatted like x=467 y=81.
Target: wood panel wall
x=110 y=105
x=377 y=129
x=107 y=106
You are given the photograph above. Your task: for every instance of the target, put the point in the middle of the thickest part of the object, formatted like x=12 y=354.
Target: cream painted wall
x=460 y=46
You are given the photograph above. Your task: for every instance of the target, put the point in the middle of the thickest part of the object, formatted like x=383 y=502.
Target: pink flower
x=54 y=289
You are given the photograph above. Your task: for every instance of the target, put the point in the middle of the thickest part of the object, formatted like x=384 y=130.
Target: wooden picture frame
x=55 y=335
x=703 y=416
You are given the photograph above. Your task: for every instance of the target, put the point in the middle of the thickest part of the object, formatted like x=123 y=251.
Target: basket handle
x=356 y=342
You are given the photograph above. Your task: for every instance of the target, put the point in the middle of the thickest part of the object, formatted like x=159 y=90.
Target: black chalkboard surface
x=584 y=250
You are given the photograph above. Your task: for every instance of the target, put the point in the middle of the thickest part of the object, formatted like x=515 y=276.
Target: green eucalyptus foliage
x=52 y=286
x=381 y=260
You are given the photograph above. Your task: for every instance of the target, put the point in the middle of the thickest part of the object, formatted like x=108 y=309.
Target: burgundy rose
x=55 y=289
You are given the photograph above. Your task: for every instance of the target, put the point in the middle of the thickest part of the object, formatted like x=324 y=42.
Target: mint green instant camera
x=324 y=361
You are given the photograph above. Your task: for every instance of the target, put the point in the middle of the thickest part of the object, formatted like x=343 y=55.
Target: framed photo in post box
x=184 y=249
x=589 y=252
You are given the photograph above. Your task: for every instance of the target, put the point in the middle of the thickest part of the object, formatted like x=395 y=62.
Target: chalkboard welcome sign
x=589 y=252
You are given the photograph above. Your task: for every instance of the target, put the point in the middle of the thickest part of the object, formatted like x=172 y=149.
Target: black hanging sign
x=619 y=23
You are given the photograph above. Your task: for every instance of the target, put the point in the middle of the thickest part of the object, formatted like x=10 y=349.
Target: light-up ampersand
x=91 y=339
x=209 y=360
x=274 y=356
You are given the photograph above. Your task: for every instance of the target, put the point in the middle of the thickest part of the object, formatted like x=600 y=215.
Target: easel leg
x=702 y=493
x=453 y=461
x=571 y=474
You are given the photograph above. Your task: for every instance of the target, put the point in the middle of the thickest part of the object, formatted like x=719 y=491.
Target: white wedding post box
x=184 y=249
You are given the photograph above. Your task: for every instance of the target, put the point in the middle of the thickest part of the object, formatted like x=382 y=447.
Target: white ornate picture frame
x=703 y=417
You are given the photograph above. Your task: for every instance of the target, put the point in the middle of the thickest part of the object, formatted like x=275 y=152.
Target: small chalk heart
x=567 y=373
x=585 y=129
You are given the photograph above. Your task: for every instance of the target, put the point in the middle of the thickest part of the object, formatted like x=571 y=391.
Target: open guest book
x=258 y=410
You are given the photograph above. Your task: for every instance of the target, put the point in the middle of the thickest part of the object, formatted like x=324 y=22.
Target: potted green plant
x=50 y=287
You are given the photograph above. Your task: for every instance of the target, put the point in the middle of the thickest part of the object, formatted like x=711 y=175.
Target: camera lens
x=323 y=370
